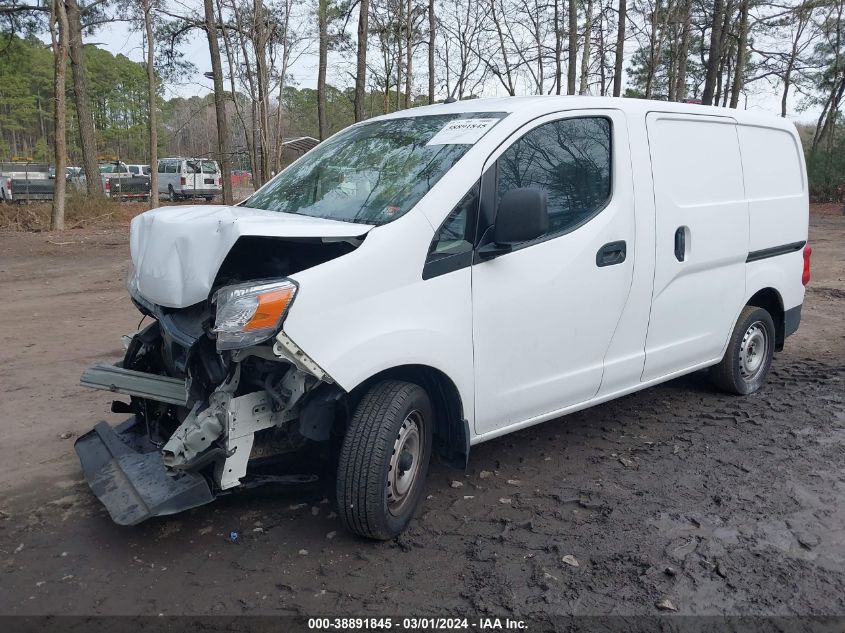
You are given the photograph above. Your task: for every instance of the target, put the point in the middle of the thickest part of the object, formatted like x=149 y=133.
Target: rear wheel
x=171 y=194
x=747 y=361
x=384 y=459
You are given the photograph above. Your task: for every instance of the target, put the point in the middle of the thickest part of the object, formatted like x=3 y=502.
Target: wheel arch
x=771 y=301
x=451 y=429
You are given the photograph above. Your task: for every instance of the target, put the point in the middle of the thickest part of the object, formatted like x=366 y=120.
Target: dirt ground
x=720 y=504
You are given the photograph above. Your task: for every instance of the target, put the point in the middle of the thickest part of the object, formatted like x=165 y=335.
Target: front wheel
x=747 y=361
x=384 y=459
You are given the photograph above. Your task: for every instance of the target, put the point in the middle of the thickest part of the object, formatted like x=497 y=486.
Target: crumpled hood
x=177 y=251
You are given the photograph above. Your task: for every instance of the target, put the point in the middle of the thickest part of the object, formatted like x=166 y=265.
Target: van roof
x=547 y=104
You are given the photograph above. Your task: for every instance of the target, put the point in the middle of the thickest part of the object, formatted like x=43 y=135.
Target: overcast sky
x=119 y=38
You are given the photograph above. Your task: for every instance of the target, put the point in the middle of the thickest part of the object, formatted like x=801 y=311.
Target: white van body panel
x=699 y=190
x=625 y=357
x=540 y=330
x=371 y=311
x=776 y=188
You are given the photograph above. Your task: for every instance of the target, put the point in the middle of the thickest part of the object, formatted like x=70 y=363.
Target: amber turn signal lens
x=271 y=307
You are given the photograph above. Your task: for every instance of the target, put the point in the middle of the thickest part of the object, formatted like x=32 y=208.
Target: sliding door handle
x=681 y=243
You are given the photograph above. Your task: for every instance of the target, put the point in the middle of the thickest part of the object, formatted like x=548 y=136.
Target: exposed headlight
x=250 y=313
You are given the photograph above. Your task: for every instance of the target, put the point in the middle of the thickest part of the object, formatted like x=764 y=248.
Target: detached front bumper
x=125 y=471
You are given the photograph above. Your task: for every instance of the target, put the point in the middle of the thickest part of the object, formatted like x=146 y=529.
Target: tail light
x=182 y=181
x=219 y=181
x=805 y=276
x=108 y=184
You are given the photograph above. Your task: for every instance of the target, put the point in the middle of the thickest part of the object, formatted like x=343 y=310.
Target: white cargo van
x=438 y=277
x=184 y=178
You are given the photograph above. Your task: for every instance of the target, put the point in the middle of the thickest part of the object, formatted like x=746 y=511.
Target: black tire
x=370 y=501
x=208 y=199
x=747 y=361
x=171 y=194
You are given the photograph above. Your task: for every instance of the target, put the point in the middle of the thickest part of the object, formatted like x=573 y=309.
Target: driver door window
x=569 y=160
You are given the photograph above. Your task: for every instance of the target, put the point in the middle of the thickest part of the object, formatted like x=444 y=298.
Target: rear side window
x=171 y=167
x=570 y=160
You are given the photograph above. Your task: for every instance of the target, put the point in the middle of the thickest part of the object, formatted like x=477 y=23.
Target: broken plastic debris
x=570 y=560
x=666 y=605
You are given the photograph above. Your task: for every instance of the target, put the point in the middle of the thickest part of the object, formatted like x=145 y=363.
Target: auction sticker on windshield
x=462 y=131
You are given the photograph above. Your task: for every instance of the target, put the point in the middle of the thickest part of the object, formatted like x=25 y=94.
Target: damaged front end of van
x=215 y=387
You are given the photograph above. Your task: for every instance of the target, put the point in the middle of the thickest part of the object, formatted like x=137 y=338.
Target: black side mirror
x=522 y=216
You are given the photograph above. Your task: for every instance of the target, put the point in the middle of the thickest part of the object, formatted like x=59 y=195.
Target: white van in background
x=139 y=170
x=438 y=277
x=184 y=178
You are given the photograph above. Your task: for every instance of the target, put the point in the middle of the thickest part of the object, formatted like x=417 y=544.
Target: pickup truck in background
x=118 y=182
x=25 y=182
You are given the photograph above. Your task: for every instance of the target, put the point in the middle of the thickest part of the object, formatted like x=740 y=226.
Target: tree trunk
x=361 y=71
x=432 y=25
x=219 y=101
x=620 y=49
x=151 y=102
x=322 y=21
x=683 y=52
x=741 y=54
x=59 y=37
x=399 y=22
x=585 y=55
x=260 y=37
x=409 y=54
x=573 y=48
x=652 y=51
x=714 y=56
x=558 y=49
x=87 y=137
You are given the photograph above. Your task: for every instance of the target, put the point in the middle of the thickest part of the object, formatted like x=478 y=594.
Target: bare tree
x=85 y=117
x=432 y=32
x=322 y=21
x=59 y=39
x=223 y=152
x=741 y=54
x=679 y=92
x=585 y=55
x=152 y=105
x=361 y=63
x=573 y=47
x=620 y=49
x=714 y=57
x=461 y=33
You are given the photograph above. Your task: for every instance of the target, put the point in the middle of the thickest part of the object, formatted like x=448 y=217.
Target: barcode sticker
x=462 y=131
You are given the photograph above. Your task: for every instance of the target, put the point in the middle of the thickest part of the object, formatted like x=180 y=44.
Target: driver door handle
x=611 y=254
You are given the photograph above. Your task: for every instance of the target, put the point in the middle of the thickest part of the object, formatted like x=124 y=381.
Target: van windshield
x=375 y=172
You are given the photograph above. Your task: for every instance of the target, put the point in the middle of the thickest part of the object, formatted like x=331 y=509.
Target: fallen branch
x=83 y=221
